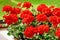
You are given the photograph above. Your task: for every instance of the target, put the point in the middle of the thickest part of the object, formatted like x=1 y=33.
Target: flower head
x=43 y=28
x=19 y=4
x=29 y=33
x=10 y=19
x=15 y=11
x=7 y=8
x=44 y=9
x=41 y=17
x=28 y=19
x=25 y=13
x=27 y=4
x=54 y=20
x=56 y=12
x=57 y=33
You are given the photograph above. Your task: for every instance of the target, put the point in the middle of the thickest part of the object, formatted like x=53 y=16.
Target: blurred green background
x=34 y=2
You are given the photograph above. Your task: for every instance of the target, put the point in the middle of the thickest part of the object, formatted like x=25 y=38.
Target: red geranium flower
x=54 y=20
x=28 y=19
x=27 y=4
x=41 y=17
x=52 y=7
x=29 y=32
x=24 y=13
x=35 y=30
x=43 y=28
x=15 y=11
x=41 y=6
x=19 y=4
x=57 y=33
x=7 y=8
x=44 y=9
x=56 y=12
x=59 y=19
x=10 y=19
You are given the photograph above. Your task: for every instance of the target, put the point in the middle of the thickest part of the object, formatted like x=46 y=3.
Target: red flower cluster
x=28 y=19
x=44 y=9
x=27 y=16
x=27 y=4
x=54 y=20
x=25 y=13
x=57 y=33
x=43 y=28
x=41 y=17
x=52 y=7
x=19 y=4
x=29 y=32
x=15 y=11
x=40 y=29
x=11 y=10
x=59 y=19
x=56 y=12
x=7 y=8
x=10 y=19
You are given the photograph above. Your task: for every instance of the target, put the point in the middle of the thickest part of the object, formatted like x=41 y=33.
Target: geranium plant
x=25 y=22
